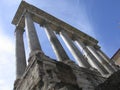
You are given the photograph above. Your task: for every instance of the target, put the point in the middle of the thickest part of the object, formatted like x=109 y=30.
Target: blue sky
x=98 y=18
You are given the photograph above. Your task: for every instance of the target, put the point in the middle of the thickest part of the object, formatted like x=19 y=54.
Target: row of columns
x=34 y=45
x=92 y=58
x=101 y=59
x=108 y=60
x=74 y=50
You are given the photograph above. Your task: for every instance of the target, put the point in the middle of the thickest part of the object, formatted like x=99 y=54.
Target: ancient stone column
x=108 y=60
x=56 y=45
x=91 y=58
x=32 y=37
x=103 y=62
x=74 y=50
x=19 y=52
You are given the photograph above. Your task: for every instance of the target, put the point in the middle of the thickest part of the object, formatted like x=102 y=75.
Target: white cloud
x=6 y=44
x=7 y=64
x=3 y=85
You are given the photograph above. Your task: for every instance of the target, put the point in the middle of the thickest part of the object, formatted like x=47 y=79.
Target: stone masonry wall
x=44 y=73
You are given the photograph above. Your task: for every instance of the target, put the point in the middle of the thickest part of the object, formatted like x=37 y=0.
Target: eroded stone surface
x=44 y=73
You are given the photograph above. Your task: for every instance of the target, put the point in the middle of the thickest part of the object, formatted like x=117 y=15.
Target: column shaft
x=103 y=62
x=108 y=60
x=92 y=59
x=31 y=34
x=74 y=50
x=56 y=45
x=20 y=53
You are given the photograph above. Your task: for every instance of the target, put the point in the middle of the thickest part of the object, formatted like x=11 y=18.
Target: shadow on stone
x=112 y=83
